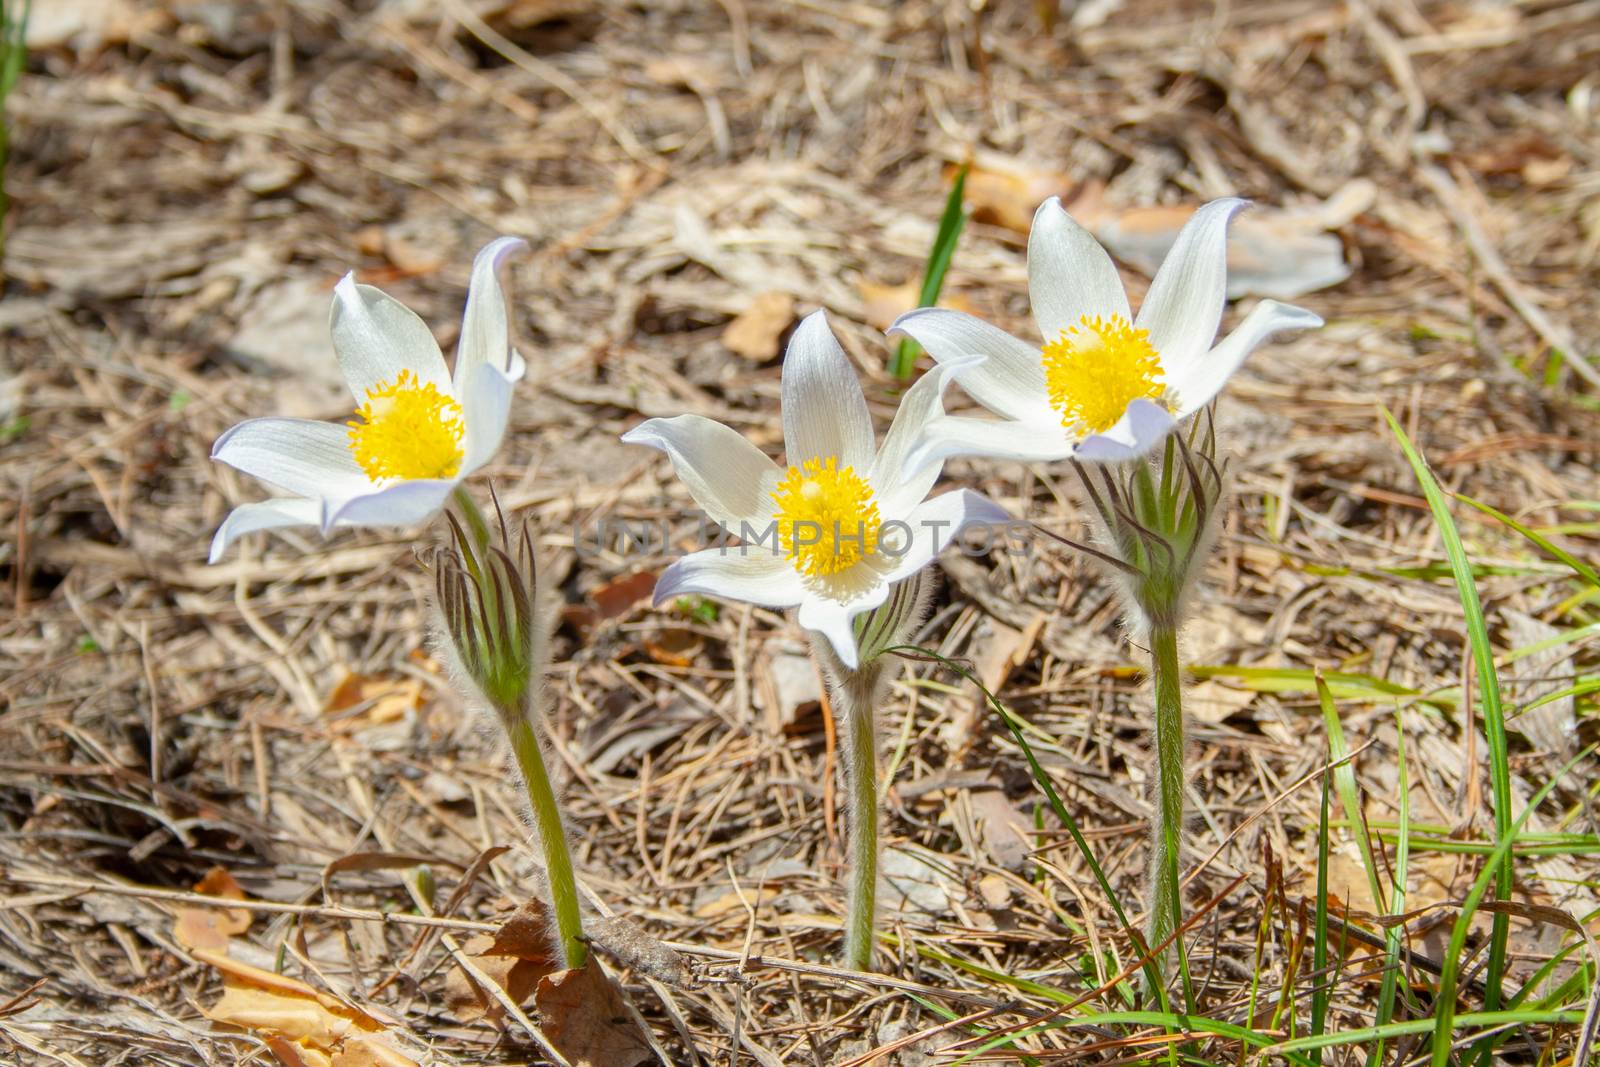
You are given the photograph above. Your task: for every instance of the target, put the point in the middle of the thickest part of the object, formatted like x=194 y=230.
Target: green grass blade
x=1484 y=1019
x=1344 y=780
x=1319 y=949
x=1494 y=723
x=1397 y=903
x=1444 y=1020
x=1544 y=544
x=1152 y=973
x=944 y=248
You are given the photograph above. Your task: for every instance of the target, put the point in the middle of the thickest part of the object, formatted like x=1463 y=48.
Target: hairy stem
x=552 y=839
x=861 y=773
x=1165 y=912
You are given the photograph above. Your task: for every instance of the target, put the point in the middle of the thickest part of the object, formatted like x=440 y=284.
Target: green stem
x=552 y=838
x=1165 y=913
x=861 y=772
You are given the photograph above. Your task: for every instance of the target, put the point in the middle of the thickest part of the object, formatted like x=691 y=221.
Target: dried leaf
x=211 y=928
x=303 y=1027
x=617 y=598
x=583 y=1015
x=524 y=936
x=1007 y=193
x=882 y=304
x=517 y=976
x=675 y=647
x=1003 y=830
x=756 y=333
x=388 y=699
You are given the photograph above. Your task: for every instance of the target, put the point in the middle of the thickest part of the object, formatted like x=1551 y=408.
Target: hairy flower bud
x=486 y=601
x=1157 y=518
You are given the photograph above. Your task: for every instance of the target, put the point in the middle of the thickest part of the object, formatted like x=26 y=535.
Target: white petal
x=1030 y=442
x=1203 y=377
x=900 y=489
x=299 y=456
x=485 y=410
x=753 y=575
x=486 y=323
x=400 y=504
x=836 y=621
x=1010 y=382
x=935 y=523
x=1184 y=304
x=730 y=478
x=264 y=515
x=1140 y=429
x=824 y=411
x=1069 y=275
x=376 y=337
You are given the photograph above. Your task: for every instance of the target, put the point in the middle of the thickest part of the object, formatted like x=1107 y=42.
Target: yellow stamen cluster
x=1096 y=368
x=407 y=429
x=827 y=519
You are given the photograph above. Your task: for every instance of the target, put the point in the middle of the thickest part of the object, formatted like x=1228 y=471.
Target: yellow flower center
x=407 y=430
x=1096 y=368
x=827 y=519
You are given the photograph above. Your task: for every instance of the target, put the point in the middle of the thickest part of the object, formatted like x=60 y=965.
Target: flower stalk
x=486 y=596
x=1156 y=521
x=857 y=692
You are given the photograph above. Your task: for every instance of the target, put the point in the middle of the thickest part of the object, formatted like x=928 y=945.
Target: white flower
x=1103 y=387
x=417 y=432
x=842 y=523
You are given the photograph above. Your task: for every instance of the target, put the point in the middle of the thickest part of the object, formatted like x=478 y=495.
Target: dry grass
x=187 y=191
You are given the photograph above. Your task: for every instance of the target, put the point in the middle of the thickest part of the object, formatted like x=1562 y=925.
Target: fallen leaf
x=303 y=1027
x=1211 y=702
x=882 y=304
x=675 y=647
x=211 y=928
x=617 y=598
x=756 y=333
x=583 y=1015
x=1007 y=193
x=469 y=1002
x=721 y=903
x=1276 y=252
x=388 y=699
x=1002 y=829
x=524 y=936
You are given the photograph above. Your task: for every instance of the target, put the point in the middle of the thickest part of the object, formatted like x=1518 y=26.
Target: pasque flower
x=417 y=431
x=1105 y=385
x=832 y=531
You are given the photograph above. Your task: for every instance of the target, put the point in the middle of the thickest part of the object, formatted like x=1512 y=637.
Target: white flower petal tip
x=823 y=408
x=1203 y=378
x=272 y=514
x=1145 y=425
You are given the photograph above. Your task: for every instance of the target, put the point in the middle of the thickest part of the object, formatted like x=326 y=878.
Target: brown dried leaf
x=675 y=647
x=617 y=598
x=388 y=699
x=524 y=936
x=303 y=1027
x=211 y=928
x=518 y=977
x=756 y=333
x=583 y=1015
x=1007 y=193
x=882 y=304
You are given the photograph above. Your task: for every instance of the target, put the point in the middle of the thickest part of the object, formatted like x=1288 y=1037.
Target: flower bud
x=486 y=599
x=1157 y=517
